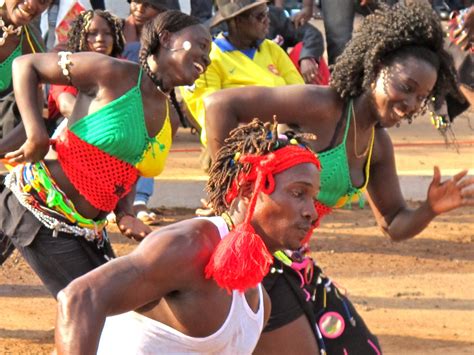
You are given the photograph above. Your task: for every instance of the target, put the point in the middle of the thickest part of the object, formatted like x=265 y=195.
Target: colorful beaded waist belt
x=36 y=190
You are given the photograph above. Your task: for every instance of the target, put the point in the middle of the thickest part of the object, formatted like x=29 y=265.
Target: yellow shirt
x=268 y=65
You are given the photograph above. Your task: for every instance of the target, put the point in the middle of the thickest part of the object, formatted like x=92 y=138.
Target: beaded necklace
x=228 y=220
x=8 y=30
x=366 y=151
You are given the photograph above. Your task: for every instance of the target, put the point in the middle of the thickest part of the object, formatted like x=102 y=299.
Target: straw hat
x=231 y=8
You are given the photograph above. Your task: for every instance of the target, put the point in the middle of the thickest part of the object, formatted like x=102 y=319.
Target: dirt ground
x=417 y=296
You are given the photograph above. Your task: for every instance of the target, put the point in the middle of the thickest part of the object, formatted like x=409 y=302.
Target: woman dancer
x=120 y=128
x=17 y=37
x=388 y=72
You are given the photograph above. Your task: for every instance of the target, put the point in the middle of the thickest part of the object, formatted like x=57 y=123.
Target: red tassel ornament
x=240 y=261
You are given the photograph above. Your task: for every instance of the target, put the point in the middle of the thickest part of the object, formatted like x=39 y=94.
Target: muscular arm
x=166 y=262
x=393 y=215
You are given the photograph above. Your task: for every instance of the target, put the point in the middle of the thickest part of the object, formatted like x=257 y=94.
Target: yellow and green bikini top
x=103 y=153
x=336 y=189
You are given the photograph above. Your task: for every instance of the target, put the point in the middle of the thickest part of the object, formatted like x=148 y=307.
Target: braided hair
x=77 y=36
x=171 y=21
x=389 y=34
x=256 y=138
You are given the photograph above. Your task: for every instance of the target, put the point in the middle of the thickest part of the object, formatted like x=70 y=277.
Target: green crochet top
x=117 y=128
x=336 y=189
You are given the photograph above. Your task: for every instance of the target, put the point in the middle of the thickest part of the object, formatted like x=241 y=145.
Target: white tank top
x=132 y=333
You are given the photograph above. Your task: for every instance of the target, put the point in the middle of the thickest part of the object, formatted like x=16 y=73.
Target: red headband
x=241 y=259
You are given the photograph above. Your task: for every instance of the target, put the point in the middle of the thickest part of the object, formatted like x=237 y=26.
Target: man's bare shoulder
x=188 y=242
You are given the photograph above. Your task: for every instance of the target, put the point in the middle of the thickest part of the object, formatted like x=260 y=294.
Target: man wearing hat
x=240 y=57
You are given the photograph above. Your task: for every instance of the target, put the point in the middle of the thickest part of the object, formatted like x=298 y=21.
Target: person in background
x=460 y=44
x=141 y=11
x=301 y=17
x=201 y=9
x=17 y=37
x=338 y=18
x=63 y=13
x=306 y=43
x=240 y=57
x=194 y=287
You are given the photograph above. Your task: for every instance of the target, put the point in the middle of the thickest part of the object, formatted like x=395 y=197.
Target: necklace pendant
x=162 y=92
x=8 y=30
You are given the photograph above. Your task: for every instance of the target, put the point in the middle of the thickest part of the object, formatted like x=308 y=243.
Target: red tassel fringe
x=240 y=260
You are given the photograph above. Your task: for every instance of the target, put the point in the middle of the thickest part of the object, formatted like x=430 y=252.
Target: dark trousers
x=59 y=260
x=338 y=17
x=98 y=4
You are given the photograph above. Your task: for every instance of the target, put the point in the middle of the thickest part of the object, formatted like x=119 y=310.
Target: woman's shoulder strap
x=34 y=39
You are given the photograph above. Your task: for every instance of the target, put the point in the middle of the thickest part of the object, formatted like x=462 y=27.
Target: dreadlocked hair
x=77 y=35
x=392 y=33
x=256 y=138
x=171 y=21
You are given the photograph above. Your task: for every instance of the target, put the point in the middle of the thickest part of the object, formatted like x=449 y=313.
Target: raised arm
x=393 y=215
x=297 y=104
x=88 y=72
x=127 y=283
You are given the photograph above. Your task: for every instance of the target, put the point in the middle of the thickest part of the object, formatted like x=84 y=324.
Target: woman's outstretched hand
x=31 y=151
x=450 y=194
x=133 y=228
